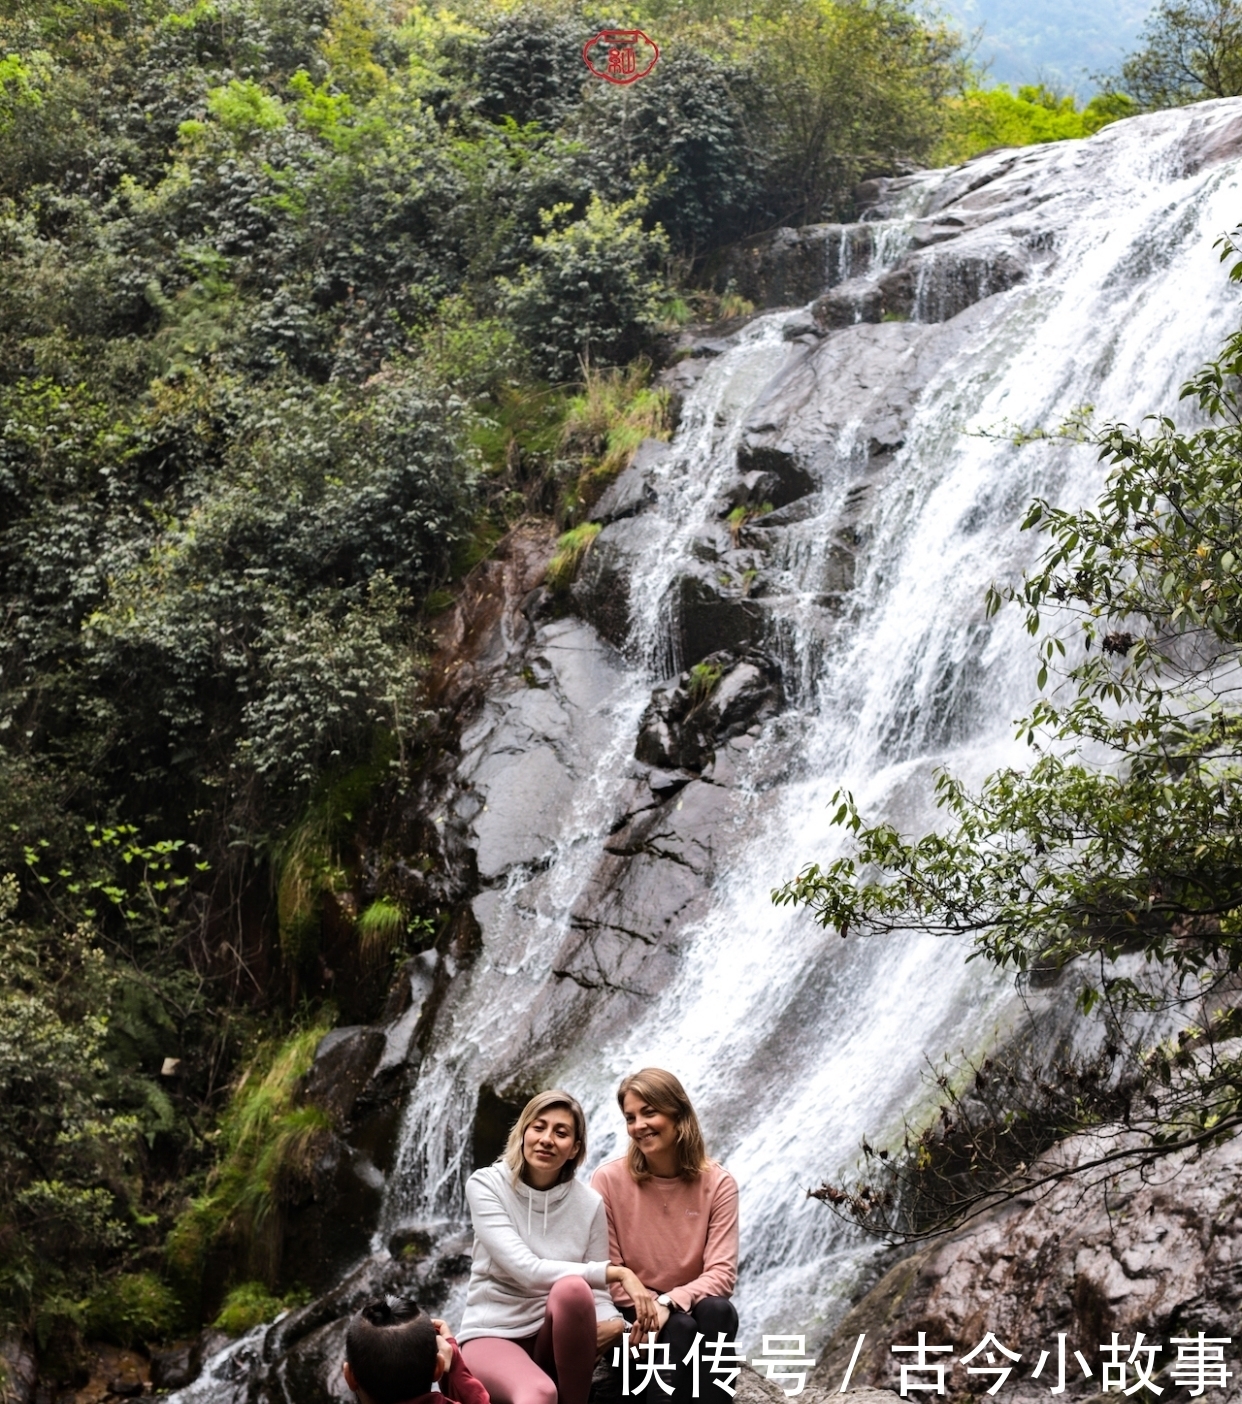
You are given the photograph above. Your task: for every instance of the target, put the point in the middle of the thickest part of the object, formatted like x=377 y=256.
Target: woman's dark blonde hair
x=544 y=1102
x=663 y=1092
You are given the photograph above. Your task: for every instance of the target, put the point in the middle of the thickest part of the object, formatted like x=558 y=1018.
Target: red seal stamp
x=620 y=55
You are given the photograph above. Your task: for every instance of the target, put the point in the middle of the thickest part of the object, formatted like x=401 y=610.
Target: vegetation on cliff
x=301 y=306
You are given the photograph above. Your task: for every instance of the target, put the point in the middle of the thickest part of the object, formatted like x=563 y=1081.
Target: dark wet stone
x=175 y=1367
x=712 y=618
x=601 y=593
x=309 y=1373
x=632 y=492
x=859 y=300
x=494 y=1115
x=330 y=1225
x=779 y=477
x=791 y=266
x=682 y=725
x=18 y=1360
x=343 y=1063
x=411 y=1245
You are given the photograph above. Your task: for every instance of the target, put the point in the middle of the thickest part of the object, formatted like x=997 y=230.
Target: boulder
x=1142 y=1250
x=632 y=491
x=791 y=266
x=175 y=1367
x=769 y=476
x=601 y=593
x=301 y=1353
x=330 y=1225
x=945 y=282
x=683 y=724
x=344 y=1061
x=859 y=300
x=712 y=617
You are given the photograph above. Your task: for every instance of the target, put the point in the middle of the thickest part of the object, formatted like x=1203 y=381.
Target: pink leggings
x=552 y=1367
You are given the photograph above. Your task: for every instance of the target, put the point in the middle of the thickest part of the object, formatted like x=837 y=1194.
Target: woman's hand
x=608 y=1332
x=638 y=1334
x=646 y=1308
x=647 y=1311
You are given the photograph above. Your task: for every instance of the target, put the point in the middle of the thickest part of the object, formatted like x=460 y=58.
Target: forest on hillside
x=302 y=307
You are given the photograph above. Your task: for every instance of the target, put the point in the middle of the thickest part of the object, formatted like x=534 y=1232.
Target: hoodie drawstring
x=530 y=1199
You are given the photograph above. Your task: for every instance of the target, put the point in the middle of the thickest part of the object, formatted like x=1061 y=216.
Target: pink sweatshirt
x=679 y=1236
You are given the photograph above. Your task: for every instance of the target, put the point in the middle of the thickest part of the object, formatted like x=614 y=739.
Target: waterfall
x=794 y=1043
x=1035 y=282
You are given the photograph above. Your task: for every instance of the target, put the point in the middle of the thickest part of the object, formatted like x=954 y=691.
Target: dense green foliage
x=1122 y=839
x=982 y=118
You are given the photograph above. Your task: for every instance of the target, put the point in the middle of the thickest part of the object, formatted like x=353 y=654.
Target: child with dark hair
x=394 y=1353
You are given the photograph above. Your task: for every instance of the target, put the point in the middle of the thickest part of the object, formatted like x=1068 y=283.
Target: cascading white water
x=793 y=1042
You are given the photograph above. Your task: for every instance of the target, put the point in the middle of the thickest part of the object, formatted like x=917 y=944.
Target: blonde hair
x=664 y=1092
x=542 y=1102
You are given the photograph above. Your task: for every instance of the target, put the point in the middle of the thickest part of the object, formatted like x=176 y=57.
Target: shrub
x=981 y=119
x=250 y=1304
x=593 y=293
x=134 y=1308
x=684 y=132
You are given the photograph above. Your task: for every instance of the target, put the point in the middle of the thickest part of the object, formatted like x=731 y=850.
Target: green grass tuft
x=704 y=678
x=267 y=1145
x=250 y=1304
x=570 y=549
x=381 y=929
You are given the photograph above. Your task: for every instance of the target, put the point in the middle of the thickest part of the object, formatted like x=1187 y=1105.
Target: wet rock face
x=534 y=737
x=633 y=490
x=1157 y=1253
x=601 y=593
x=929 y=286
x=17 y=1360
x=300 y=1356
x=720 y=699
x=792 y=266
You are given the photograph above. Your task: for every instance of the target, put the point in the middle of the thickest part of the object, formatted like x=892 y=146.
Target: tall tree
x=1192 y=49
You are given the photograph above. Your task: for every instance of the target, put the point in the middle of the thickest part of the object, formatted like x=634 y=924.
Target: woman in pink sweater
x=672 y=1220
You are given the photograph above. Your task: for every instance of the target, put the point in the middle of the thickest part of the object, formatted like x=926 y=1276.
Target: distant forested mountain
x=1056 y=41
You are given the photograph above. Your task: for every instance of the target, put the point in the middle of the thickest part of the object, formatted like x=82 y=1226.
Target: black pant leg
x=712 y=1315
x=679 y=1332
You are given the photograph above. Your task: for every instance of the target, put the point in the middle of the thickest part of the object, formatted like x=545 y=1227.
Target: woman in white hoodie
x=537 y=1309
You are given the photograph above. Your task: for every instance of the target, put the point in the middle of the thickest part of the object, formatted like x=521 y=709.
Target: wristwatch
x=665 y=1300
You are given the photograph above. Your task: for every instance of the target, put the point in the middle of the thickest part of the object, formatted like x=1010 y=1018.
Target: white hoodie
x=525 y=1241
